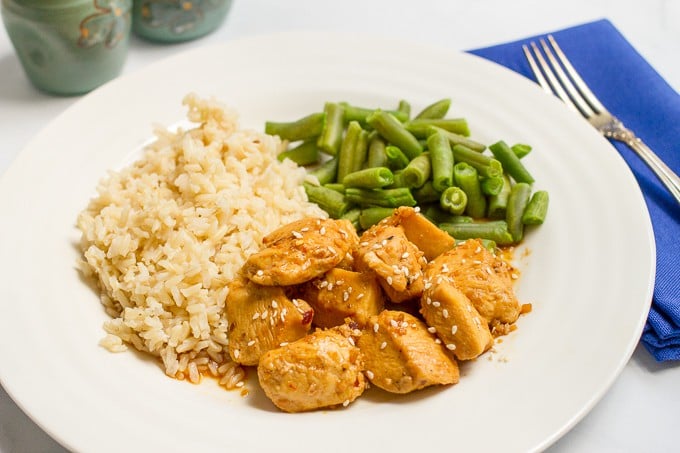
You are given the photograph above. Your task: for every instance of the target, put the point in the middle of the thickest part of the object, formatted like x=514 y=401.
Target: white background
x=641 y=411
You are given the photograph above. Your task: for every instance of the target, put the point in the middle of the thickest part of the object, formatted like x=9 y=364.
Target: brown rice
x=165 y=235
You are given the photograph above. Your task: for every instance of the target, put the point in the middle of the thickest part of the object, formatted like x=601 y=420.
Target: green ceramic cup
x=170 y=21
x=69 y=47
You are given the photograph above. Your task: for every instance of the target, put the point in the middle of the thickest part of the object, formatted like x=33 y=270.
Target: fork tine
x=566 y=83
x=537 y=72
x=554 y=84
x=583 y=88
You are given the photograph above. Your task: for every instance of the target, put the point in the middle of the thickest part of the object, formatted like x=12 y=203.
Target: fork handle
x=660 y=169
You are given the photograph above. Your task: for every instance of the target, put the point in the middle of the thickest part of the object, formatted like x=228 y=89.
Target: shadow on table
x=646 y=361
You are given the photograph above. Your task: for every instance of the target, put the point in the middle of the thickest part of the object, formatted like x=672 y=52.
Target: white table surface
x=641 y=411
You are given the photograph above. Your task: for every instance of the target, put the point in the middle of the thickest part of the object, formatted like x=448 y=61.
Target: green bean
x=396 y=159
x=442 y=161
x=334 y=203
x=498 y=204
x=466 y=177
x=418 y=171
x=360 y=151
x=331 y=136
x=454 y=200
x=457 y=139
x=376 y=152
x=511 y=163
x=304 y=154
x=326 y=172
x=347 y=155
x=335 y=186
x=436 y=110
x=437 y=215
x=420 y=128
x=370 y=216
x=536 y=210
x=520 y=150
x=495 y=230
x=361 y=114
x=491 y=186
x=404 y=108
x=353 y=216
x=426 y=193
x=394 y=132
x=369 y=178
x=485 y=165
x=399 y=180
x=305 y=128
x=387 y=198
x=517 y=203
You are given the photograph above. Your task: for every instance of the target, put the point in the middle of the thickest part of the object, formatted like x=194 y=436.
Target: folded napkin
x=634 y=92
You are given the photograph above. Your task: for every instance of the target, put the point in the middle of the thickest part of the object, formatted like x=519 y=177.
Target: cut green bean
x=517 y=203
x=399 y=180
x=347 y=155
x=536 y=209
x=305 y=128
x=520 y=150
x=436 y=110
x=394 y=132
x=326 y=172
x=457 y=139
x=495 y=230
x=361 y=114
x=335 y=186
x=353 y=216
x=376 y=152
x=306 y=153
x=387 y=198
x=369 y=178
x=370 y=216
x=426 y=193
x=485 y=165
x=405 y=108
x=466 y=177
x=511 y=163
x=331 y=136
x=491 y=186
x=498 y=204
x=454 y=200
x=420 y=128
x=417 y=171
x=437 y=215
x=334 y=203
x=360 y=151
x=441 y=156
x=396 y=159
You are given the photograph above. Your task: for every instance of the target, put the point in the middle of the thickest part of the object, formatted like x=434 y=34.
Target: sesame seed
x=345 y=403
x=256 y=316
x=323 y=284
x=432 y=329
x=489 y=271
x=450 y=346
x=251 y=342
x=330 y=287
x=260 y=273
x=283 y=343
x=476 y=262
x=469 y=308
x=275 y=304
x=240 y=384
x=297 y=235
x=404 y=324
x=264 y=314
x=331 y=249
x=360 y=295
x=322 y=230
x=428 y=301
x=350 y=289
x=296 y=302
x=345 y=296
x=389 y=280
x=478 y=249
x=370 y=374
x=436 y=303
x=394 y=323
x=405 y=270
x=305 y=229
x=284 y=311
x=363 y=244
x=383 y=242
x=339 y=282
x=428 y=284
x=376 y=326
x=445 y=313
x=376 y=246
x=438 y=341
x=445 y=268
x=514 y=276
x=383 y=345
x=404 y=255
x=351 y=341
x=236 y=353
x=454 y=329
x=417 y=209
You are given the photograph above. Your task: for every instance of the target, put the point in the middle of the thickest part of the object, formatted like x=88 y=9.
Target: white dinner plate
x=588 y=271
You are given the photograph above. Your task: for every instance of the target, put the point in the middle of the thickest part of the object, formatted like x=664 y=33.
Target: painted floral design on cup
x=108 y=25
x=179 y=16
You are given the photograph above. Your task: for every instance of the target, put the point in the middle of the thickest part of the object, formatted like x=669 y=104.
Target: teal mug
x=170 y=21
x=69 y=47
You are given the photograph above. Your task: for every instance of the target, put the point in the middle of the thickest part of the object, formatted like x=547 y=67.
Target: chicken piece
x=401 y=356
x=323 y=369
x=300 y=251
x=385 y=250
x=342 y=294
x=262 y=318
x=425 y=235
x=483 y=277
x=455 y=321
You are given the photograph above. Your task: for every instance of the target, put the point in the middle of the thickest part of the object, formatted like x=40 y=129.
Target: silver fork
x=571 y=88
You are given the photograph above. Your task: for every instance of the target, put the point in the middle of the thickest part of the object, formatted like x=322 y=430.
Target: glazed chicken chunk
x=301 y=251
x=323 y=369
x=401 y=355
x=425 y=235
x=484 y=278
x=385 y=250
x=342 y=294
x=454 y=319
x=262 y=318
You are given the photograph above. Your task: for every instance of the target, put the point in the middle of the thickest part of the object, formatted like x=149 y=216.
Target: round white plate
x=588 y=271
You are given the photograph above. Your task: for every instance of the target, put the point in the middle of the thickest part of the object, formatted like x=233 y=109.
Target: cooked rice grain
x=165 y=235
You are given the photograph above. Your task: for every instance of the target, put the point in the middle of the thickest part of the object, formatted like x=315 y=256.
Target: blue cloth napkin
x=633 y=91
